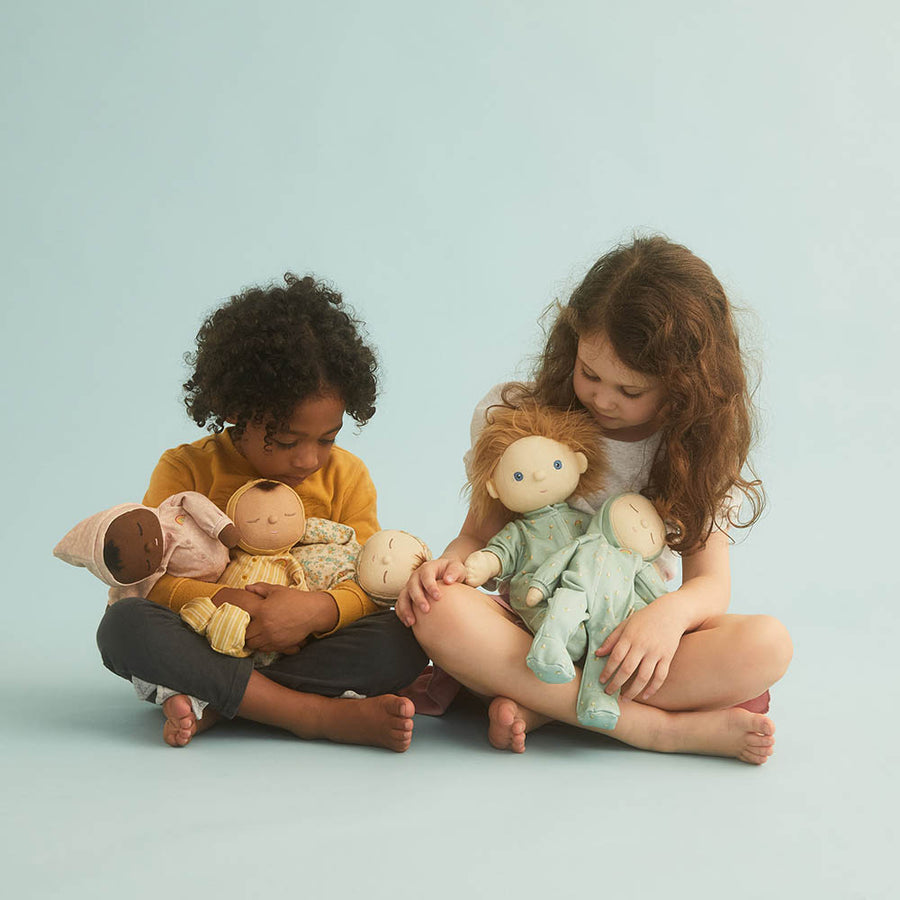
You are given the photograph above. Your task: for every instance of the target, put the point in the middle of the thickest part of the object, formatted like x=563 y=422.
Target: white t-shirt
x=629 y=470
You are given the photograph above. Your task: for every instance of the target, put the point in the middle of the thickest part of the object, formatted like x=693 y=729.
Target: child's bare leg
x=468 y=635
x=729 y=660
x=385 y=721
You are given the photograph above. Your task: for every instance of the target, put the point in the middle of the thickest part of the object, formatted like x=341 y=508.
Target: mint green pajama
x=590 y=586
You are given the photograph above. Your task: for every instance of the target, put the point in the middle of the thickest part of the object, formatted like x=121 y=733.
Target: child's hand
x=423 y=587
x=641 y=649
x=288 y=617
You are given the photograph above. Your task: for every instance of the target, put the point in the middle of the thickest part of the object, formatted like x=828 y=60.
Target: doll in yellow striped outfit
x=270 y=519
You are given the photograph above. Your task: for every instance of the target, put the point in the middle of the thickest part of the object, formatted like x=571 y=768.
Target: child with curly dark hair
x=274 y=372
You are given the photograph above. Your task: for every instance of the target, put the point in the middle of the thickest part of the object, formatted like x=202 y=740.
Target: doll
x=530 y=461
x=130 y=546
x=590 y=586
x=270 y=519
x=386 y=561
x=328 y=552
x=532 y=456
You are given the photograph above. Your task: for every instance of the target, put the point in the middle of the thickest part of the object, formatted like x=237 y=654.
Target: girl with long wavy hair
x=648 y=346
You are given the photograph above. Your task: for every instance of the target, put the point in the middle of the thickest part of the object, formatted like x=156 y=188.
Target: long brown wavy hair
x=666 y=315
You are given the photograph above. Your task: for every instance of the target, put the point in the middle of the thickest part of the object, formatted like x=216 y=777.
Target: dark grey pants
x=374 y=655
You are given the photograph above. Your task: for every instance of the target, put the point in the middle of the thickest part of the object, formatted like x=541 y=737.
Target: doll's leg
x=560 y=637
x=596 y=708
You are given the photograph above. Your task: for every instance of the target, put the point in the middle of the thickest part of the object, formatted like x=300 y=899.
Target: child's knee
x=768 y=645
x=446 y=617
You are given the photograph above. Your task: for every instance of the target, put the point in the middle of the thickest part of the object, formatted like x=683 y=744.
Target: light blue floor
x=453 y=169
x=96 y=806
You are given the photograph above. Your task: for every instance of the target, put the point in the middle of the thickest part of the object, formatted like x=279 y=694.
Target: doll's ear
x=581 y=459
x=489 y=486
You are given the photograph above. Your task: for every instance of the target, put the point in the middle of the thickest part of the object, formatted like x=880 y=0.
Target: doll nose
x=539 y=475
x=272 y=519
x=385 y=560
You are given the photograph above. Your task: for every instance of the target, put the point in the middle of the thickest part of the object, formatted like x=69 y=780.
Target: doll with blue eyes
x=525 y=464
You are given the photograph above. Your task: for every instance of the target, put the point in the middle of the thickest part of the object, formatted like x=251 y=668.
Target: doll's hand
x=229 y=536
x=423 y=587
x=481 y=566
x=534 y=596
x=641 y=649
x=287 y=617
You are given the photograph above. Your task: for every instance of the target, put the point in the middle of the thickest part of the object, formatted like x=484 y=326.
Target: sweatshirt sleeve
x=359 y=511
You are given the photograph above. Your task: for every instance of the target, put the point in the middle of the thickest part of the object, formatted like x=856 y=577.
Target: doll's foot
x=385 y=721
x=181 y=724
x=550 y=661
x=507 y=725
x=747 y=736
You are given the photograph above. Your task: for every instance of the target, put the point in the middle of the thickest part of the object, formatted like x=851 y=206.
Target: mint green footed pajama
x=590 y=586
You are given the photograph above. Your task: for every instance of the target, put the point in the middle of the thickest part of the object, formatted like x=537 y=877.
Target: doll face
x=301 y=448
x=534 y=472
x=637 y=526
x=138 y=539
x=387 y=560
x=270 y=520
x=625 y=403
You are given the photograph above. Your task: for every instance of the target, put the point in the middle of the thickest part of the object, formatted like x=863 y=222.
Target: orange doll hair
x=506 y=425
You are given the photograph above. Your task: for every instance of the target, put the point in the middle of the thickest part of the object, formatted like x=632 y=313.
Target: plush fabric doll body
x=130 y=546
x=270 y=519
x=580 y=593
x=530 y=461
x=328 y=552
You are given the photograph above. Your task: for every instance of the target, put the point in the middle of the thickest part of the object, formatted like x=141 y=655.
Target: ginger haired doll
x=528 y=461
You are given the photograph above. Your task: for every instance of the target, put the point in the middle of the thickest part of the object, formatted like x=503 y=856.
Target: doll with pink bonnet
x=130 y=546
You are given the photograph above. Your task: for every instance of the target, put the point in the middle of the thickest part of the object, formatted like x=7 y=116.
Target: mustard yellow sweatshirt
x=341 y=490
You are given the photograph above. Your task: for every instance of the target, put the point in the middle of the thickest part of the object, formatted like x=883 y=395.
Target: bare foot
x=507 y=726
x=181 y=724
x=384 y=721
x=747 y=736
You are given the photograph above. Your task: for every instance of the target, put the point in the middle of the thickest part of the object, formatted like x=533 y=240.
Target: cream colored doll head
x=269 y=516
x=534 y=456
x=631 y=521
x=386 y=561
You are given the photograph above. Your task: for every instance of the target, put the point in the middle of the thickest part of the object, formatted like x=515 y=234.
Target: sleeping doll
x=530 y=461
x=590 y=587
x=130 y=546
x=270 y=519
x=386 y=561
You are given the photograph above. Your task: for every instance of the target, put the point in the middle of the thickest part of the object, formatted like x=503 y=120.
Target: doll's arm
x=296 y=573
x=326 y=531
x=546 y=578
x=481 y=566
x=207 y=515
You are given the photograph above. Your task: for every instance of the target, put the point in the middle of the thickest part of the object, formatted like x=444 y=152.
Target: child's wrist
x=327 y=612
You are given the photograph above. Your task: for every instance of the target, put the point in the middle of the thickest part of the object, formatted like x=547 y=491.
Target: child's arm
x=644 y=644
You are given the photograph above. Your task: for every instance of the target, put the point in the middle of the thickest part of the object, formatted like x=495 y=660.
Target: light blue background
x=452 y=170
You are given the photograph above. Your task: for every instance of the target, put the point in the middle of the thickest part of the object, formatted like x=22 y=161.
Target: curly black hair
x=267 y=349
